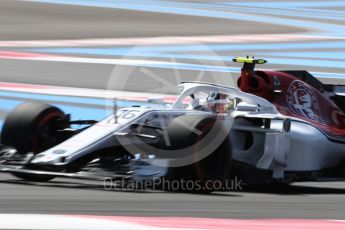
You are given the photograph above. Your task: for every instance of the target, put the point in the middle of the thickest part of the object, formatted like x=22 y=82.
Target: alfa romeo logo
x=302 y=99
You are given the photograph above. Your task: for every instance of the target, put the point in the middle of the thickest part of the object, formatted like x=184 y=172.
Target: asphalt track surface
x=302 y=200
x=38 y=21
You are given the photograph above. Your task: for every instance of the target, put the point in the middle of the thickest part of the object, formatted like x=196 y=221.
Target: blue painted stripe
x=83 y=112
x=286 y=58
x=337 y=55
x=69 y=99
x=330 y=59
x=290 y=4
x=307 y=62
x=302 y=13
x=271 y=4
x=76 y=112
x=329 y=75
x=8 y=105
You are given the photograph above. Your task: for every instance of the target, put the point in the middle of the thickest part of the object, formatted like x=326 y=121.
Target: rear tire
x=32 y=127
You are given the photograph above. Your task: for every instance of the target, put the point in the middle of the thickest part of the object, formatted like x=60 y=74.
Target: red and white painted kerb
x=48 y=222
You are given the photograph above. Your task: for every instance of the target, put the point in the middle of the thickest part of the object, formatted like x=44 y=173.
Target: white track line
x=58 y=222
x=68 y=222
x=112 y=61
x=246 y=38
x=83 y=92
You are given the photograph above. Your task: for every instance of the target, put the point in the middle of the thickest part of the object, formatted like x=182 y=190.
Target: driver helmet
x=216 y=102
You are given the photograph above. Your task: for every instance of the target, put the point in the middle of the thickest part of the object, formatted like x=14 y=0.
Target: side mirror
x=246 y=107
x=155 y=100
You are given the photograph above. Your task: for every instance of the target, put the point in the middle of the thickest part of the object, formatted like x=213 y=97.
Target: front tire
x=32 y=127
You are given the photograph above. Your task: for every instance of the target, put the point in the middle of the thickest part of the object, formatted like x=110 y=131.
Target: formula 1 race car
x=276 y=126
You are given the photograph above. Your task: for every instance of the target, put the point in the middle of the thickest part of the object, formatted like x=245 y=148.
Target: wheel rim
x=45 y=131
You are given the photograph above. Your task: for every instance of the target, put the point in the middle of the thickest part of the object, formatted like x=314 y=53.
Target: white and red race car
x=276 y=126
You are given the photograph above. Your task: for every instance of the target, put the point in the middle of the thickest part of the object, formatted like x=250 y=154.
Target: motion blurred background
x=151 y=45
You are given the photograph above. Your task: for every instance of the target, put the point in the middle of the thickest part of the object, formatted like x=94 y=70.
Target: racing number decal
x=123 y=115
x=128 y=114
